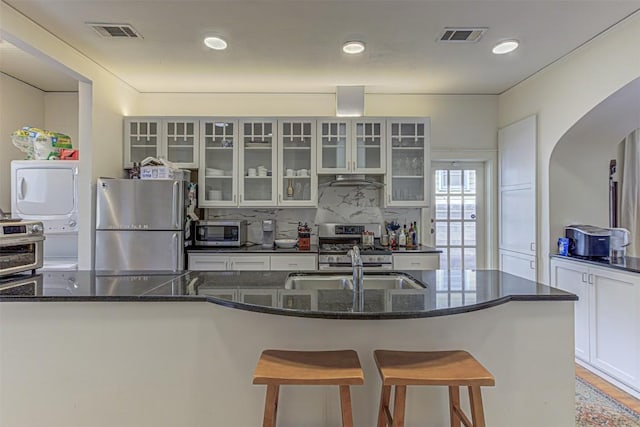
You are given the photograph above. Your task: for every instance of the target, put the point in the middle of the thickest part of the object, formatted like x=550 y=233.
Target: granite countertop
x=314 y=250
x=445 y=292
x=630 y=264
x=249 y=249
x=417 y=250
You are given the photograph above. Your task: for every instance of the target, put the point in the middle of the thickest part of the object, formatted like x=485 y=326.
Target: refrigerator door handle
x=176 y=205
x=174 y=249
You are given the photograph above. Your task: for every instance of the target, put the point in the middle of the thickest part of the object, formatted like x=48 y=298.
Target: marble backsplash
x=335 y=204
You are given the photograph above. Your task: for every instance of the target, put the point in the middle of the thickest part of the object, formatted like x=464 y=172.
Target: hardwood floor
x=608 y=388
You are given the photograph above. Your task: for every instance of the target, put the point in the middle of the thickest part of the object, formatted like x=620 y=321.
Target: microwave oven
x=220 y=233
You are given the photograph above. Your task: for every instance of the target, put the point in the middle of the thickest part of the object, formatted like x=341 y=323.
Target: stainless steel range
x=335 y=240
x=21 y=246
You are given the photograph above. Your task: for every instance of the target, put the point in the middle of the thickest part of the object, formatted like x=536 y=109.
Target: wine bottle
x=290 y=190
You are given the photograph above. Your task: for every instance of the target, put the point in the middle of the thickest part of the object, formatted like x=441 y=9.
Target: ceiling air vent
x=461 y=35
x=115 y=30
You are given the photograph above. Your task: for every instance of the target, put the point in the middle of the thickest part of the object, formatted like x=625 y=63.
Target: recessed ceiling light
x=215 y=42
x=353 y=47
x=505 y=47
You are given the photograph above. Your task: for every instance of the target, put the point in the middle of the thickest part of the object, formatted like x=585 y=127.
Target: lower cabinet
x=251 y=262
x=294 y=262
x=416 y=261
x=214 y=262
x=573 y=277
x=607 y=325
x=518 y=264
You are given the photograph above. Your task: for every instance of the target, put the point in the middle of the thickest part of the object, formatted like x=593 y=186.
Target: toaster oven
x=21 y=246
x=220 y=233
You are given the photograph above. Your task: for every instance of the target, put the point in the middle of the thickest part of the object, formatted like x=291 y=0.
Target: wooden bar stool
x=282 y=367
x=449 y=368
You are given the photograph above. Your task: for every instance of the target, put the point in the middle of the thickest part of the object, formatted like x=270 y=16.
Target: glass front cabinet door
x=141 y=140
x=334 y=150
x=297 y=178
x=257 y=164
x=180 y=142
x=368 y=154
x=351 y=146
x=218 y=172
x=408 y=165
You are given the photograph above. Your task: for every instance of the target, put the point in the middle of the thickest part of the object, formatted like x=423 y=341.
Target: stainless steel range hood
x=353 y=180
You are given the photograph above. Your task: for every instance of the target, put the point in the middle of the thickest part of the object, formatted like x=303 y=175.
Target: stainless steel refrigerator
x=140 y=224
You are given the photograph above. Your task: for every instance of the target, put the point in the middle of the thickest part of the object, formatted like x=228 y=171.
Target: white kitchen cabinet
x=249 y=262
x=517 y=207
x=408 y=160
x=207 y=262
x=518 y=264
x=297 y=177
x=219 y=262
x=141 y=139
x=351 y=146
x=218 y=172
x=607 y=317
x=257 y=163
x=294 y=262
x=252 y=262
x=574 y=277
x=421 y=261
x=175 y=139
x=615 y=324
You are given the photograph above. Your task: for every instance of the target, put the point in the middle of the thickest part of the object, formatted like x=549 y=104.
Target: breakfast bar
x=185 y=345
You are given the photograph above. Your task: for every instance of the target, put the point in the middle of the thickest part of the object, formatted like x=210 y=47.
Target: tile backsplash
x=335 y=204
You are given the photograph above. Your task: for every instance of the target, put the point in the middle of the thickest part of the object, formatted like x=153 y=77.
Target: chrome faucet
x=358 y=279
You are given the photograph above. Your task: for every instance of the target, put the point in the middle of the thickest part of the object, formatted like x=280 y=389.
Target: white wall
x=20 y=105
x=61 y=114
x=563 y=93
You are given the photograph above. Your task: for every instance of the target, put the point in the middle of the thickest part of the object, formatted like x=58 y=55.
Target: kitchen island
x=165 y=350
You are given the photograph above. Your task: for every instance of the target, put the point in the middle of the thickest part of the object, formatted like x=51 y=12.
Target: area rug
x=597 y=409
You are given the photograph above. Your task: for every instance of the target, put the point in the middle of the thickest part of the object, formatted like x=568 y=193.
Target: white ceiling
x=294 y=45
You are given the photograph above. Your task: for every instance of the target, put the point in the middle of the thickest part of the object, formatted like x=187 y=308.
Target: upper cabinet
x=297 y=177
x=218 y=173
x=408 y=162
x=177 y=140
x=351 y=146
x=258 y=162
x=255 y=162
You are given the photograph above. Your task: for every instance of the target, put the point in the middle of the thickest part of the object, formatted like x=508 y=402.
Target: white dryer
x=47 y=191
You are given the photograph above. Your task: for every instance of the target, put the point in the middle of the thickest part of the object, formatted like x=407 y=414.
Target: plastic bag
x=40 y=144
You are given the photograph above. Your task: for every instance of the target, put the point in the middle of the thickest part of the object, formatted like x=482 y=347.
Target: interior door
x=44 y=191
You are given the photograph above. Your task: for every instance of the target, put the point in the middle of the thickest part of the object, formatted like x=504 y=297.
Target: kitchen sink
x=318 y=281
x=392 y=281
x=314 y=281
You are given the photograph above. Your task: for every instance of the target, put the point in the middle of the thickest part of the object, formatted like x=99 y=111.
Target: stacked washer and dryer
x=47 y=191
